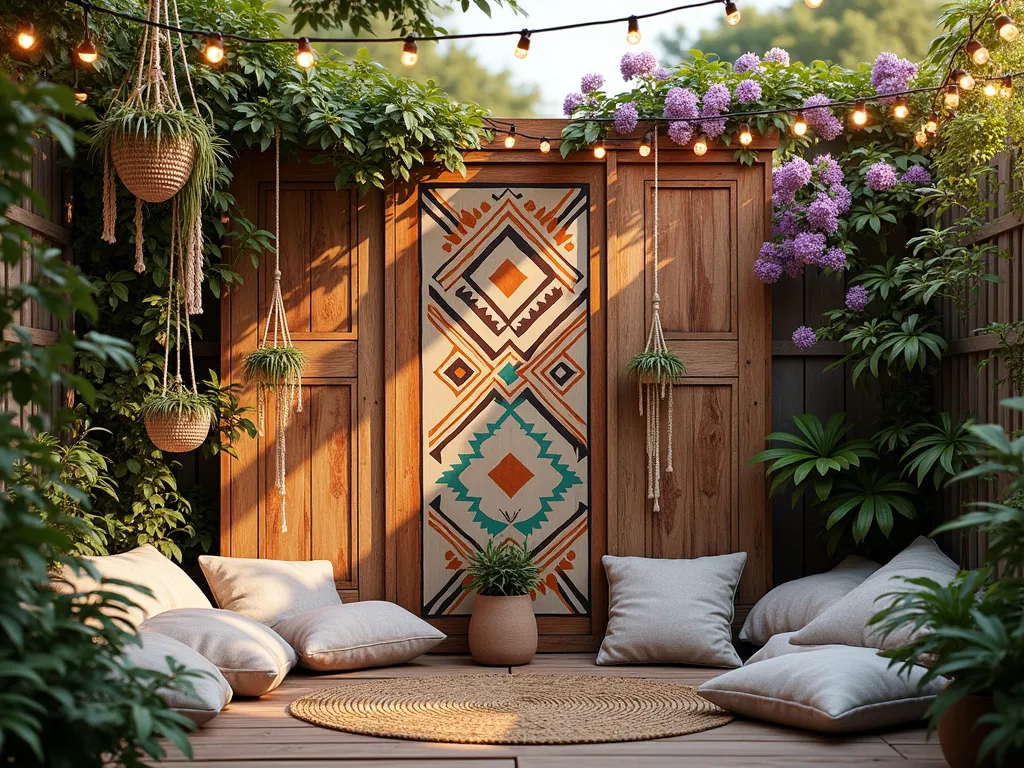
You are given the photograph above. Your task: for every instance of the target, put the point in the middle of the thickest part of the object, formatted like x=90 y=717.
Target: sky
x=557 y=60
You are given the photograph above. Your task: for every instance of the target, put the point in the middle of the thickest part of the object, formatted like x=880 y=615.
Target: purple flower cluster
x=746 y=63
x=857 y=298
x=809 y=247
x=820 y=119
x=778 y=55
x=592 y=82
x=833 y=258
x=891 y=74
x=788 y=179
x=881 y=176
x=768 y=272
x=823 y=214
x=636 y=64
x=661 y=74
x=804 y=337
x=916 y=174
x=748 y=91
x=680 y=104
x=626 y=118
x=680 y=132
x=829 y=171
x=570 y=103
x=716 y=101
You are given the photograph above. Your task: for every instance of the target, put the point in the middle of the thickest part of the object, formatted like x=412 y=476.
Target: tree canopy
x=845 y=33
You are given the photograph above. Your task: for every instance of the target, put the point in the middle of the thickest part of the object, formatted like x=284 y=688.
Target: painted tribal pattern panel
x=504 y=311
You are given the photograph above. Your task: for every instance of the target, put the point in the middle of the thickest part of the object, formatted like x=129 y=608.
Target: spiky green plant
x=505 y=570
x=273 y=366
x=656 y=367
x=178 y=401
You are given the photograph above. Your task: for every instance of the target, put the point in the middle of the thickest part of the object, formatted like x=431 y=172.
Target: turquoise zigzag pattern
x=452 y=477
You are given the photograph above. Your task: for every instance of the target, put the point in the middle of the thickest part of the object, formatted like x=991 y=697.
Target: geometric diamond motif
x=510 y=474
x=507 y=278
x=508 y=374
x=562 y=373
x=459 y=372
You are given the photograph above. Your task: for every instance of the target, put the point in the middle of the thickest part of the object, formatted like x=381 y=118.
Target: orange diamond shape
x=507 y=277
x=510 y=475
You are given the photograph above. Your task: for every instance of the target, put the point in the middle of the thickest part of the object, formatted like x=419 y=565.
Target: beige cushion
x=252 y=657
x=671 y=611
x=269 y=591
x=793 y=605
x=779 y=645
x=835 y=690
x=210 y=691
x=846 y=622
x=357 y=636
x=170 y=585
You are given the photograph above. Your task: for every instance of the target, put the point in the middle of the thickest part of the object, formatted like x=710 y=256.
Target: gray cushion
x=671 y=611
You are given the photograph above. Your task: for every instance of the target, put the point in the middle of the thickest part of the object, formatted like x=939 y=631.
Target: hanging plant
x=159 y=149
x=276 y=365
x=177 y=419
x=657 y=370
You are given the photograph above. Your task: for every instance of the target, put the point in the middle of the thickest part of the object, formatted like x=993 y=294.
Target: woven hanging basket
x=178 y=433
x=152 y=171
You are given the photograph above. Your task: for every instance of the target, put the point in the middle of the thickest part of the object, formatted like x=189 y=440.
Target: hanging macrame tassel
x=282 y=426
x=109 y=200
x=140 y=240
x=668 y=467
x=194 y=265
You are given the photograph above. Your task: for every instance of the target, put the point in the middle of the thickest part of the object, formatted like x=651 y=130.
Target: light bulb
x=991 y=89
x=700 y=146
x=921 y=137
x=633 y=31
x=813 y=3
x=523 y=47
x=979 y=53
x=409 y=54
x=1006 y=28
x=952 y=97
x=645 y=147
x=732 y=14
x=26 y=37
x=962 y=78
x=213 y=51
x=1006 y=88
x=510 y=139
x=304 y=55
x=746 y=137
x=900 y=110
x=81 y=96
x=799 y=126
x=545 y=146
x=860 y=114
x=86 y=51
x=932 y=126
x=600 y=151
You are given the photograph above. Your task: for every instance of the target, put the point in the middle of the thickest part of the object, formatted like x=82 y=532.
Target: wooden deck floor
x=261 y=733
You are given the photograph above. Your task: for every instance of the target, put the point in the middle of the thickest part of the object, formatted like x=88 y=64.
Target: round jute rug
x=512 y=709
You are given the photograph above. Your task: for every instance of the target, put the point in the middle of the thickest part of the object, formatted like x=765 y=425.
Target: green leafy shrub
x=656 y=367
x=503 y=570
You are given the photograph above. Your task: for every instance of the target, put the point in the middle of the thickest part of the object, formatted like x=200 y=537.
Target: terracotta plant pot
x=503 y=631
x=958 y=737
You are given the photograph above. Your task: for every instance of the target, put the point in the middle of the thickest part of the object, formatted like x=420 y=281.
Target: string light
x=921 y=137
x=700 y=146
x=304 y=55
x=732 y=14
x=645 y=147
x=979 y=53
x=81 y=96
x=952 y=97
x=86 y=51
x=523 y=48
x=963 y=78
x=991 y=89
x=746 y=137
x=599 y=150
x=932 y=126
x=26 y=37
x=633 y=31
x=213 y=51
x=813 y=3
x=799 y=126
x=545 y=146
x=1006 y=88
x=1006 y=28
x=510 y=139
x=900 y=110
x=860 y=114
x=409 y=54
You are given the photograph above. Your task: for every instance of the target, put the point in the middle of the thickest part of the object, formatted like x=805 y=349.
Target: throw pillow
x=270 y=591
x=357 y=636
x=793 y=605
x=210 y=691
x=252 y=657
x=833 y=690
x=671 y=611
x=846 y=622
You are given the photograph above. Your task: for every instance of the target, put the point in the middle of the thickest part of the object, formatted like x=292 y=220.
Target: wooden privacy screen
x=467 y=337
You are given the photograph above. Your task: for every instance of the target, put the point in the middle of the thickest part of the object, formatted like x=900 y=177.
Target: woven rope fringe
x=109 y=200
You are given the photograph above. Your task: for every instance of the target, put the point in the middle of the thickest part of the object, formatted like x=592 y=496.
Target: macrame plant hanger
x=289 y=392
x=652 y=392
x=157 y=90
x=175 y=300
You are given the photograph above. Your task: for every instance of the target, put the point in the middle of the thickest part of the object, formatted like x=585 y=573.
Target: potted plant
x=971 y=631
x=503 y=628
x=656 y=367
x=177 y=419
x=274 y=367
